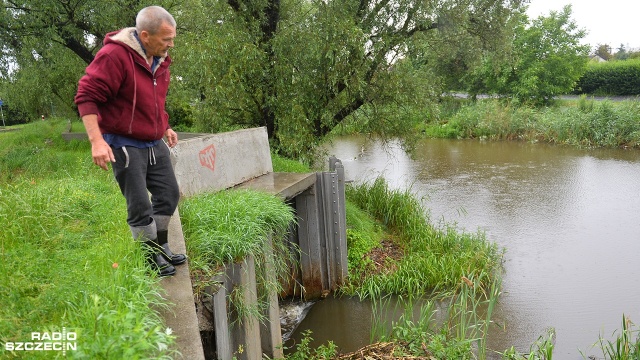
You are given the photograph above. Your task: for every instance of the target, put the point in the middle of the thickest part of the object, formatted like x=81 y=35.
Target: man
x=121 y=100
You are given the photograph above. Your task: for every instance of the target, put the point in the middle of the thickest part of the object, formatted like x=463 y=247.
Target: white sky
x=611 y=22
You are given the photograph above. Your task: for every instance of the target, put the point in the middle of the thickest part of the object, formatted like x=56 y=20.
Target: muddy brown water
x=568 y=218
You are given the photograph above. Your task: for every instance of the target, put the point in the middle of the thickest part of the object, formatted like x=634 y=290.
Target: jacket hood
x=127 y=37
x=122 y=89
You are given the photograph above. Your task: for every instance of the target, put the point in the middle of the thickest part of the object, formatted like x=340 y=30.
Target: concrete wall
x=219 y=161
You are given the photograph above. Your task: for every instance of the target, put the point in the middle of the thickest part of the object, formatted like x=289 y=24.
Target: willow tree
x=299 y=67
x=47 y=43
x=302 y=68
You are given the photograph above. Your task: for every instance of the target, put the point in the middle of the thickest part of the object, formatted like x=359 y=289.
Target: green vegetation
x=545 y=59
x=68 y=262
x=433 y=259
x=611 y=78
x=625 y=346
x=67 y=255
x=589 y=123
x=227 y=226
x=541 y=349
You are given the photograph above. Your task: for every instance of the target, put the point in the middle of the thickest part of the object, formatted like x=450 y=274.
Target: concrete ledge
x=181 y=317
x=219 y=161
x=285 y=185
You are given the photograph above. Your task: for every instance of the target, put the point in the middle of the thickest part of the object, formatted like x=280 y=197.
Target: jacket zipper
x=155 y=101
x=155 y=98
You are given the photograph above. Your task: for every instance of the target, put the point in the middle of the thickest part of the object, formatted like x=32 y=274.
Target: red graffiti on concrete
x=208 y=157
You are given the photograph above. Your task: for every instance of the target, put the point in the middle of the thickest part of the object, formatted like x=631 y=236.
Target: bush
x=13 y=116
x=611 y=78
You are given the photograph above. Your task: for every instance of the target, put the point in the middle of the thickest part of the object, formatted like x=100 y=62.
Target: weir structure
x=242 y=160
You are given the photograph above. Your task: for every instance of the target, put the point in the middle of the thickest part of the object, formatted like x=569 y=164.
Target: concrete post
x=221 y=323
x=245 y=326
x=270 y=330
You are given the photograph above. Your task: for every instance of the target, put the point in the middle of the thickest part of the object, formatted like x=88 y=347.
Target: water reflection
x=568 y=219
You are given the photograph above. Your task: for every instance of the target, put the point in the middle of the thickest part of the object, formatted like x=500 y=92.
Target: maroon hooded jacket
x=121 y=89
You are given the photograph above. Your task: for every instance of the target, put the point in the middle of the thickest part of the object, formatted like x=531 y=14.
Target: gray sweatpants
x=143 y=171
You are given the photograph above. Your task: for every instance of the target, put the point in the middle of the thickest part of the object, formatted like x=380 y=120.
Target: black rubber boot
x=147 y=236
x=155 y=258
x=174 y=259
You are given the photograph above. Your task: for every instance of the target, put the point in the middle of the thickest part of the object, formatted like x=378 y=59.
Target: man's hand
x=172 y=137
x=100 y=150
x=102 y=153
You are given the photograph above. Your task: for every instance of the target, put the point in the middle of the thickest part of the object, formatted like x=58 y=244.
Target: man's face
x=158 y=44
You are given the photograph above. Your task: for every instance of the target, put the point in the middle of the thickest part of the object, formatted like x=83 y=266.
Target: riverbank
x=584 y=122
x=69 y=262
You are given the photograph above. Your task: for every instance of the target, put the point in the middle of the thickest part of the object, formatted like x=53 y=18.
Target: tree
x=604 y=51
x=300 y=68
x=47 y=43
x=546 y=60
x=621 y=53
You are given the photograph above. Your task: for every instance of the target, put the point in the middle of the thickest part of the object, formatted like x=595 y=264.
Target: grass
x=625 y=346
x=67 y=255
x=589 y=123
x=227 y=226
x=434 y=259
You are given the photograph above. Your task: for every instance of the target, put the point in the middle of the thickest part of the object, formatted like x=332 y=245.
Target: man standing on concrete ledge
x=121 y=100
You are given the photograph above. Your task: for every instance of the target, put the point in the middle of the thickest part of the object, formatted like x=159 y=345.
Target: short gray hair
x=152 y=17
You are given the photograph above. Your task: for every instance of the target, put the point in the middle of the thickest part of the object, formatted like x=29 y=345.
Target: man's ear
x=144 y=36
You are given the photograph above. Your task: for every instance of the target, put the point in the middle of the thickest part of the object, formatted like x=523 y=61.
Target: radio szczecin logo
x=46 y=341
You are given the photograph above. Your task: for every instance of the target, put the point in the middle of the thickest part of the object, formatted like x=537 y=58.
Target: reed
x=451 y=325
x=586 y=123
x=541 y=349
x=434 y=259
x=625 y=346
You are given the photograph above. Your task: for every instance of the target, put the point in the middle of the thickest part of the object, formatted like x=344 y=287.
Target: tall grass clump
x=541 y=349
x=435 y=259
x=593 y=124
x=227 y=226
x=625 y=346
x=68 y=259
x=491 y=119
x=588 y=123
x=448 y=325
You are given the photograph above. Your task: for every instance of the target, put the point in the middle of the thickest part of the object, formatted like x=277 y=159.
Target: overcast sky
x=611 y=22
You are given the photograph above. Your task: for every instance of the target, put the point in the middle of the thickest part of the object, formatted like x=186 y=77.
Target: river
x=567 y=217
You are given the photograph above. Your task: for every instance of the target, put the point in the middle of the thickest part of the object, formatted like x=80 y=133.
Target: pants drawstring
x=126 y=157
x=152 y=156
x=151 y=153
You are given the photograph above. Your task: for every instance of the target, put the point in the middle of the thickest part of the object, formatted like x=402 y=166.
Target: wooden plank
x=245 y=327
x=328 y=218
x=341 y=242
